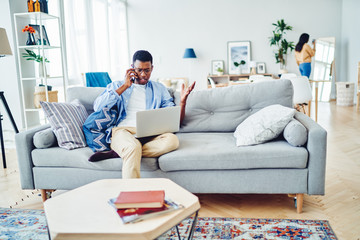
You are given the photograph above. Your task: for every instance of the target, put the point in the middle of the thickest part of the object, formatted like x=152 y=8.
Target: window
x=96 y=38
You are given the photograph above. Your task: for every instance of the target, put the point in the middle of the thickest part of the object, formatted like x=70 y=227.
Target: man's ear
x=132 y=65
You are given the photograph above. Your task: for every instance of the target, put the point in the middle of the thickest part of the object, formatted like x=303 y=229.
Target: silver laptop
x=157 y=121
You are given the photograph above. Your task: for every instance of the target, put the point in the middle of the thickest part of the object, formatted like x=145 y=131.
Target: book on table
x=140 y=199
x=132 y=215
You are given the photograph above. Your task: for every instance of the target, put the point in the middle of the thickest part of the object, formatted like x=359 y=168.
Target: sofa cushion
x=44 y=139
x=78 y=158
x=214 y=151
x=86 y=96
x=295 y=133
x=66 y=120
x=265 y=125
x=223 y=109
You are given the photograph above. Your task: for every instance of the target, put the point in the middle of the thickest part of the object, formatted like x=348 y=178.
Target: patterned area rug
x=24 y=224
x=31 y=224
x=252 y=228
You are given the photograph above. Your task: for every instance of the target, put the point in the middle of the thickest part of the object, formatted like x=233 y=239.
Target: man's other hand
x=185 y=93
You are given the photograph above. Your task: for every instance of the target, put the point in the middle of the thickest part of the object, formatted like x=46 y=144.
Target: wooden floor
x=340 y=205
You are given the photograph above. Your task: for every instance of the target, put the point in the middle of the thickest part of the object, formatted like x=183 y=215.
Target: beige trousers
x=131 y=149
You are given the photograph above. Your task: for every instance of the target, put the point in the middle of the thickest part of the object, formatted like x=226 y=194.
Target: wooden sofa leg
x=46 y=194
x=43 y=194
x=299 y=202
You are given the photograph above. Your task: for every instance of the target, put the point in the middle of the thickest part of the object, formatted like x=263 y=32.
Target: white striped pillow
x=66 y=120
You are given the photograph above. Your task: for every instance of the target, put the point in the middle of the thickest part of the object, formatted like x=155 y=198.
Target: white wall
x=350 y=41
x=167 y=27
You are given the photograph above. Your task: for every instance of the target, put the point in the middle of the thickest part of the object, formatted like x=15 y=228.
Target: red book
x=140 y=199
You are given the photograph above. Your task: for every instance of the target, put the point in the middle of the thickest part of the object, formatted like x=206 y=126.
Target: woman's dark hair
x=143 y=56
x=304 y=38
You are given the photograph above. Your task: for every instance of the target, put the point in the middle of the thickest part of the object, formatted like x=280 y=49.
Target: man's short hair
x=143 y=56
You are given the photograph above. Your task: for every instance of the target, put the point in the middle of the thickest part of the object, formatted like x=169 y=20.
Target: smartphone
x=134 y=77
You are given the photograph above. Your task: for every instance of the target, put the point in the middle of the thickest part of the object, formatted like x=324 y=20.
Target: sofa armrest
x=24 y=146
x=316 y=146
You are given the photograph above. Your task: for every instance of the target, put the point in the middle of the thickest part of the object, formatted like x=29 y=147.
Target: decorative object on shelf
x=30 y=5
x=38 y=35
x=31 y=55
x=40 y=95
x=282 y=45
x=261 y=67
x=237 y=52
x=217 y=67
x=30 y=31
x=37 y=6
x=220 y=71
x=44 y=6
x=238 y=66
x=252 y=67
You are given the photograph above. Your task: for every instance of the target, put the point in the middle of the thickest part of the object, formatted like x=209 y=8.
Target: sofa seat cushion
x=215 y=151
x=78 y=158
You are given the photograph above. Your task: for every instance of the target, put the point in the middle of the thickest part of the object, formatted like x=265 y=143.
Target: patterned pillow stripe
x=66 y=120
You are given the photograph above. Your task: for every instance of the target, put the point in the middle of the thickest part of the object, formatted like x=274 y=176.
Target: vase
x=283 y=65
x=30 y=40
x=42 y=69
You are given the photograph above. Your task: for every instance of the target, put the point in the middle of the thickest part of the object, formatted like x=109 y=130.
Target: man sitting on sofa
x=137 y=93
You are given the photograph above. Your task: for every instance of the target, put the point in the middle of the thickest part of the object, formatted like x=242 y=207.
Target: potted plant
x=238 y=64
x=283 y=47
x=220 y=71
x=31 y=55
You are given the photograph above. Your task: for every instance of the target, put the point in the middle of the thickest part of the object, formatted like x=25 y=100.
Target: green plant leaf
x=283 y=46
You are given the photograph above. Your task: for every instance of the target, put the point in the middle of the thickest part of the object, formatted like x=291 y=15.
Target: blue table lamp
x=189 y=53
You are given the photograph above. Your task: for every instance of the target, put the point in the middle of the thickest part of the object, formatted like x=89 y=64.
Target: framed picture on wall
x=237 y=51
x=37 y=34
x=260 y=67
x=216 y=65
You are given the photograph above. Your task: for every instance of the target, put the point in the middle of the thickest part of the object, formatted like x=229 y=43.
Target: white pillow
x=264 y=125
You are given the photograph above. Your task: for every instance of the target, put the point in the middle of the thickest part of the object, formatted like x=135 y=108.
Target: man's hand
x=130 y=73
x=183 y=97
x=185 y=93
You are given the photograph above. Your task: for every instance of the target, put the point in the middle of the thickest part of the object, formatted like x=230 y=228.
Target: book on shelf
x=140 y=199
x=132 y=215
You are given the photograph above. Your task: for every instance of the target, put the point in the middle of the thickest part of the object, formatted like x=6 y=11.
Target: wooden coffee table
x=84 y=213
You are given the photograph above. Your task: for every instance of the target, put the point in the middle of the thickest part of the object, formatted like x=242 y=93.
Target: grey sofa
x=207 y=160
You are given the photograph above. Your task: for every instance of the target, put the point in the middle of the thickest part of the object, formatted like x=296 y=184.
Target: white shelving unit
x=30 y=75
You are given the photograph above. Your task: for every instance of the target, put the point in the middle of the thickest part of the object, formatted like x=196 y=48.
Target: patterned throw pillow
x=66 y=120
x=264 y=125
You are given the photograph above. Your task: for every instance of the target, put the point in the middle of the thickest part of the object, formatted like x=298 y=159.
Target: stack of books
x=135 y=206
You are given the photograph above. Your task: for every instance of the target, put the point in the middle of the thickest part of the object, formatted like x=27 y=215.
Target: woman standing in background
x=303 y=54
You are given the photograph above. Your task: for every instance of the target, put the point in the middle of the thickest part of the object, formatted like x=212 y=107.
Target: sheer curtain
x=96 y=38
